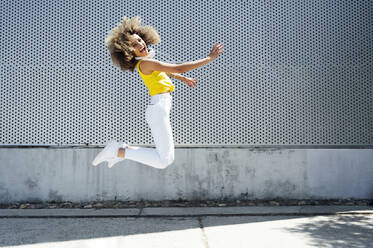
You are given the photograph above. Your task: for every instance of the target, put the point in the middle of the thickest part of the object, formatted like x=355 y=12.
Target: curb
x=186 y=212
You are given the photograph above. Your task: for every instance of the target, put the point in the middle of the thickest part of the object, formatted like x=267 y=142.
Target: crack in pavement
x=204 y=237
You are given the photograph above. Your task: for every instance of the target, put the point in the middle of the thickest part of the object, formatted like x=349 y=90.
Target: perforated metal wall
x=292 y=73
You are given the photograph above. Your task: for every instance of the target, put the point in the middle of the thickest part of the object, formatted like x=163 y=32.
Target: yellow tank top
x=157 y=82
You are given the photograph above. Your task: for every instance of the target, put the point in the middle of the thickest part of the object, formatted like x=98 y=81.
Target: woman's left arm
x=175 y=75
x=191 y=82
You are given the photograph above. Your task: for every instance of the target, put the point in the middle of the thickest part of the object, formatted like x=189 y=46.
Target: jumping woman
x=128 y=47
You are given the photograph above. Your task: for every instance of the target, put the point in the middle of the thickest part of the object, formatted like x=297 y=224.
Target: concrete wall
x=46 y=174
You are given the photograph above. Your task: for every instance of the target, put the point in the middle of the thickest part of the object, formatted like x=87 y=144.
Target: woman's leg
x=158 y=118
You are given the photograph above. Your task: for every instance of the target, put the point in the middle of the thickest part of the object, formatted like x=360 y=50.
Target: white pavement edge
x=186 y=211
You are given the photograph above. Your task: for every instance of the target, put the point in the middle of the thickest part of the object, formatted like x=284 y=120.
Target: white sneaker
x=113 y=161
x=109 y=152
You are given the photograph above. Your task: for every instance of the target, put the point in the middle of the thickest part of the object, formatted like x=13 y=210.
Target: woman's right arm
x=155 y=65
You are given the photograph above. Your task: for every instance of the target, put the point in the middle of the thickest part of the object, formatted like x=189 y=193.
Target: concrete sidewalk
x=187 y=211
x=197 y=227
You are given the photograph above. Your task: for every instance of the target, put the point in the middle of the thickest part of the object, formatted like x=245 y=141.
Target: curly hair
x=118 y=43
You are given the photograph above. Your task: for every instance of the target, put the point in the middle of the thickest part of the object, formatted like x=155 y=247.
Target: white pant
x=157 y=116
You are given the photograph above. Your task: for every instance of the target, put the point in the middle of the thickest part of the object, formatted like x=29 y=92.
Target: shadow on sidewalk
x=338 y=231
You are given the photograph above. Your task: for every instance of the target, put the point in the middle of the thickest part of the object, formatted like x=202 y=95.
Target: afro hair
x=118 y=42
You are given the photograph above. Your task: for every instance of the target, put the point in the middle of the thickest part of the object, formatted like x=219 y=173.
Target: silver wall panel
x=292 y=73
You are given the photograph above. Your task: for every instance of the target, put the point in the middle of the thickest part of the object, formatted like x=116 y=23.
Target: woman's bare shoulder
x=149 y=65
x=146 y=66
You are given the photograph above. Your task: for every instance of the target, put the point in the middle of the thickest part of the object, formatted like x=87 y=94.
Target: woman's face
x=141 y=50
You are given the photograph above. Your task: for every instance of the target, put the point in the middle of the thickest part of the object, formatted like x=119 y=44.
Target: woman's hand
x=215 y=51
x=191 y=82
